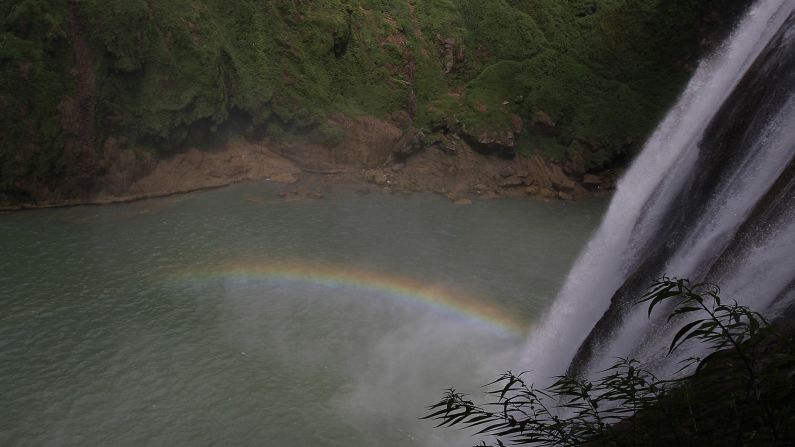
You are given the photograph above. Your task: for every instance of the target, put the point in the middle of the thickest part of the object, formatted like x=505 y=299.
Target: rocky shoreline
x=375 y=156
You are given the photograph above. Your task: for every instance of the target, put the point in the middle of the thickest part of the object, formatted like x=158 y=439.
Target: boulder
x=368 y=142
x=380 y=178
x=491 y=142
x=376 y=176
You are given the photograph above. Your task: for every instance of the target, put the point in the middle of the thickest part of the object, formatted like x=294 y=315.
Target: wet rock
x=565 y=196
x=316 y=195
x=462 y=201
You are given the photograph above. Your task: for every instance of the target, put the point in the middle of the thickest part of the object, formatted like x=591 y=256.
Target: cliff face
x=82 y=81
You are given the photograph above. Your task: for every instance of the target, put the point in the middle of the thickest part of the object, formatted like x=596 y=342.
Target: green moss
x=506 y=33
x=583 y=106
x=33 y=79
x=603 y=70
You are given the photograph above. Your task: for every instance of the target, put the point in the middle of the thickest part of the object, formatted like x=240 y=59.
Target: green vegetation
x=741 y=393
x=167 y=74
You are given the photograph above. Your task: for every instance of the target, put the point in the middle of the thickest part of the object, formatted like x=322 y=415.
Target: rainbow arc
x=374 y=284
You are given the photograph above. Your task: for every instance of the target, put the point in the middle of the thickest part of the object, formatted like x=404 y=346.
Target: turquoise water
x=169 y=321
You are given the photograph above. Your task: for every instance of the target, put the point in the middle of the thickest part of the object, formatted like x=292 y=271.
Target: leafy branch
x=745 y=384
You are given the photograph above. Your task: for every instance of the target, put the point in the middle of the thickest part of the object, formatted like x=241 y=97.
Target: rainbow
x=373 y=284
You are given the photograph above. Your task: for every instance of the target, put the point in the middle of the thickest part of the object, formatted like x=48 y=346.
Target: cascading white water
x=650 y=190
x=762 y=270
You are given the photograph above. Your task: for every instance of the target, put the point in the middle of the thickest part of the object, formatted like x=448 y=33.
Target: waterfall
x=710 y=197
